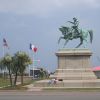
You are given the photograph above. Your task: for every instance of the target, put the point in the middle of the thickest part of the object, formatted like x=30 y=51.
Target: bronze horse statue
x=73 y=32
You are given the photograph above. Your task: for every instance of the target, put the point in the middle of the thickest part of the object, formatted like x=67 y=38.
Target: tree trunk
x=15 y=79
x=10 y=76
x=16 y=74
x=22 y=78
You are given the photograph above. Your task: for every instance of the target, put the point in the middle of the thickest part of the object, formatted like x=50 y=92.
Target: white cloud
x=39 y=7
x=80 y=3
x=92 y=3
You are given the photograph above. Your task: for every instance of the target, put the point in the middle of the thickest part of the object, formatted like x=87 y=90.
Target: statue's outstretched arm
x=71 y=22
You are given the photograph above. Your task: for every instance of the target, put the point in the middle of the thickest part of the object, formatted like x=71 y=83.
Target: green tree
x=43 y=73
x=7 y=62
x=23 y=60
x=15 y=68
x=2 y=68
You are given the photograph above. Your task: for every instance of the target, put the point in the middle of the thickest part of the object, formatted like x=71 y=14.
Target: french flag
x=33 y=47
x=5 y=44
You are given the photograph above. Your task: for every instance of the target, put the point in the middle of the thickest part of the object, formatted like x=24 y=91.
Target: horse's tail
x=91 y=35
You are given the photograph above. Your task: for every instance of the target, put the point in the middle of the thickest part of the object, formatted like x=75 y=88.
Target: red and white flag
x=33 y=47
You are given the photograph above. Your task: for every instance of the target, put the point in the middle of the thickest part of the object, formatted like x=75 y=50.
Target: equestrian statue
x=74 y=32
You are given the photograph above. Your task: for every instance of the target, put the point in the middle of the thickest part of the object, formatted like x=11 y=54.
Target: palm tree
x=15 y=68
x=23 y=60
x=7 y=62
x=16 y=64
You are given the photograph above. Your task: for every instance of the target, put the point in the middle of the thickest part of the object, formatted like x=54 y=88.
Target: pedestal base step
x=75 y=76
x=70 y=83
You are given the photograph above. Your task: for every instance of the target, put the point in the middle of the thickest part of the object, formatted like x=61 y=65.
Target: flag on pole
x=5 y=44
x=33 y=47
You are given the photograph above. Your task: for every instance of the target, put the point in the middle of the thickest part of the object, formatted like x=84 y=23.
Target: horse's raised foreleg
x=60 y=39
x=81 y=42
x=65 y=42
x=78 y=45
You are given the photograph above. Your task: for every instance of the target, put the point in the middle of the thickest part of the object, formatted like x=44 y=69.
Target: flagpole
x=34 y=49
x=3 y=71
x=33 y=65
x=5 y=44
x=31 y=47
x=29 y=52
x=31 y=56
x=3 y=51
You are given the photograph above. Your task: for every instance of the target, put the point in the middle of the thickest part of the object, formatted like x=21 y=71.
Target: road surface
x=49 y=95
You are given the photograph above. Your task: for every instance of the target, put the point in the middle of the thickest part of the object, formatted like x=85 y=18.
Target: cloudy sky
x=37 y=21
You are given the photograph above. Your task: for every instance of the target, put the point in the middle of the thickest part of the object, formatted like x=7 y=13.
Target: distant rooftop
x=97 y=68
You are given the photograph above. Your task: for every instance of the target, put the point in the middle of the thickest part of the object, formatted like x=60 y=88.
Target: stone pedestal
x=74 y=68
x=74 y=64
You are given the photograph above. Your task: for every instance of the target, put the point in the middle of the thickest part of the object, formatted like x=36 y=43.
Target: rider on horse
x=74 y=32
x=75 y=28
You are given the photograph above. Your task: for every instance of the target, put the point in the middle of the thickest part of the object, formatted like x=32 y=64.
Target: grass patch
x=18 y=87
x=7 y=86
x=4 y=82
